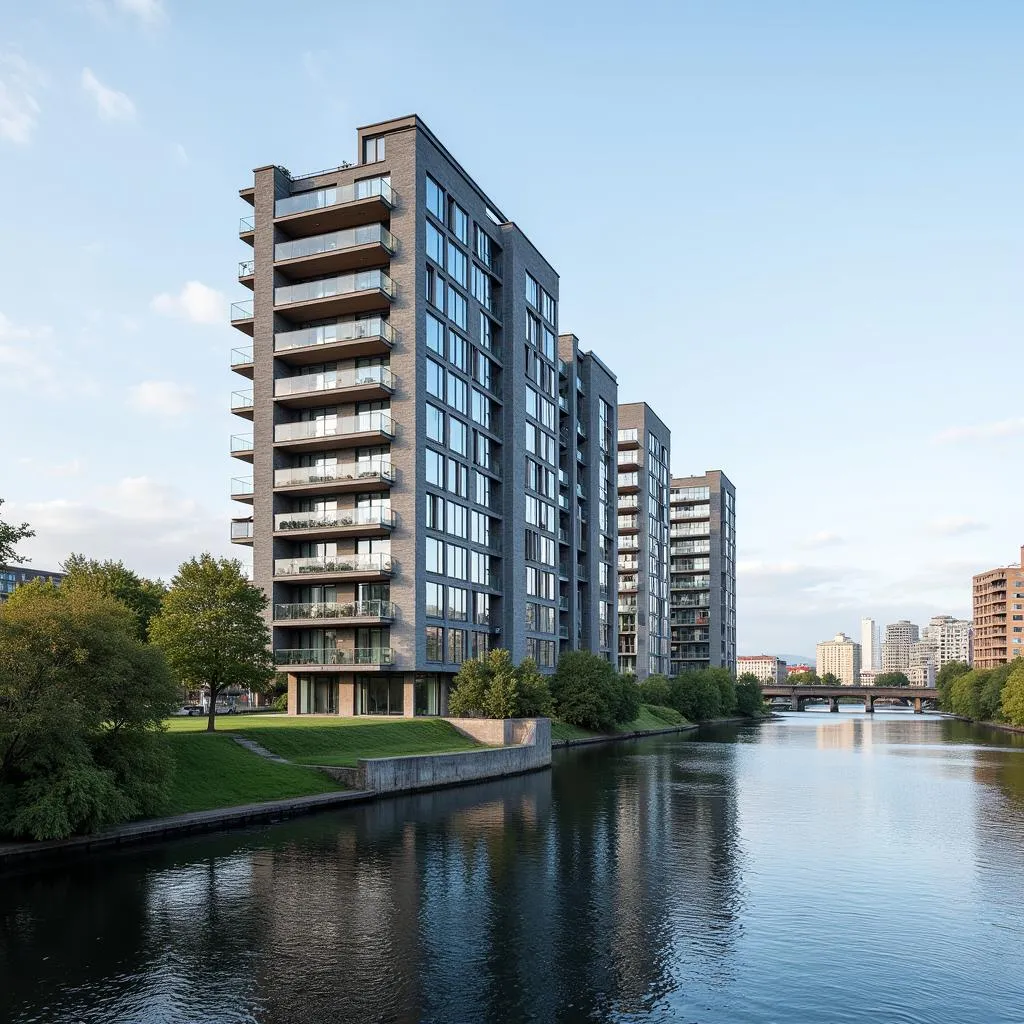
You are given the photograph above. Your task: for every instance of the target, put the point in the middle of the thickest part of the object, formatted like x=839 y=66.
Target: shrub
x=696 y=696
x=1012 y=705
x=280 y=702
x=467 y=697
x=665 y=714
x=655 y=690
x=534 y=692
x=965 y=693
x=749 y=697
x=586 y=691
x=491 y=687
x=627 y=703
x=723 y=679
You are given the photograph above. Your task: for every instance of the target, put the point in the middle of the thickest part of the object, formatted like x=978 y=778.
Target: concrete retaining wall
x=529 y=748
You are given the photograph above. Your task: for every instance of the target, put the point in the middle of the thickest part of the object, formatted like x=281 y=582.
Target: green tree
x=965 y=693
x=749 y=696
x=723 y=679
x=696 y=696
x=142 y=596
x=831 y=679
x=534 y=693
x=627 y=703
x=1013 y=696
x=467 y=696
x=803 y=679
x=82 y=703
x=655 y=689
x=586 y=692
x=892 y=679
x=492 y=687
x=212 y=630
x=10 y=537
x=944 y=680
x=503 y=697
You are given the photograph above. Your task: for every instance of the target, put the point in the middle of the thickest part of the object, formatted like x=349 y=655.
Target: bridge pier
x=797 y=703
x=918 y=705
x=869 y=704
x=833 y=704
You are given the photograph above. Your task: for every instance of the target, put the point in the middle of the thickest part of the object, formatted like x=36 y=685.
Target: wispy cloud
x=111 y=105
x=955 y=526
x=982 y=431
x=196 y=302
x=161 y=398
x=19 y=109
x=149 y=13
x=180 y=154
x=24 y=356
x=822 y=539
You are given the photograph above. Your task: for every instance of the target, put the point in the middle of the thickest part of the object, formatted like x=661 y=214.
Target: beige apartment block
x=841 y=657
x=769 y=670
x=999 y=615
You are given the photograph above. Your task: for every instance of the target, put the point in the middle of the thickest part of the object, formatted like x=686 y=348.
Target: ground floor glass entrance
x=318 y=695
x=380 y=695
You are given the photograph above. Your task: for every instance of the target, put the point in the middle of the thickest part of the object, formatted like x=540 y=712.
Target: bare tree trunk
x=212 y=719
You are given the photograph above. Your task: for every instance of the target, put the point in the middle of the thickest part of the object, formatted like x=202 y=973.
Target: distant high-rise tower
x=870 y=645
x=899 y=636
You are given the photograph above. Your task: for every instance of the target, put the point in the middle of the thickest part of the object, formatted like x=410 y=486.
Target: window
x=483 y=371
x=480 y=528
x=457 y=264
x=435 y=288
x=435 y=556
x=373 y=150
x=481 y=287
x=482 y=609
x=435 y=199
x=435 y=379
x=485 y=332
x=458 y=393
x=458 y=351
x=435 y=512
x=434 y=600
x=435 y=468
x=435 y=335
x=457 y=520
x=457 y=605
x=456 y=561
x=481 y=409
x=483 y=490
x=458 y=222
x=456 y=307
x=483 y=245
x=435 y=245
x=457 y=436
x=435 y=423
x=456 y=646
x=548 y=307
x=435 y=643
x=532 y=292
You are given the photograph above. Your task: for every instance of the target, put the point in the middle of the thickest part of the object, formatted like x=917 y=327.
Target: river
x=818 y=868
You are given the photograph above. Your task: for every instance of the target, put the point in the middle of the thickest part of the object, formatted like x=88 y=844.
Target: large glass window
x=434 y=636
x=435 y=245
x=435 y=423
x=427 y=695
x=457 y=264
x=380 y=695
x=435 y=199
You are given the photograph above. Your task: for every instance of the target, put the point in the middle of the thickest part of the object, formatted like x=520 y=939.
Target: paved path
x=257 y=749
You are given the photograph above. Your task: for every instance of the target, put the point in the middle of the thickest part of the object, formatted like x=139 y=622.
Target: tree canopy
x=10 y=536
x=140 y=595
x=892 y=679
x=1012 y=700
x=212 y=631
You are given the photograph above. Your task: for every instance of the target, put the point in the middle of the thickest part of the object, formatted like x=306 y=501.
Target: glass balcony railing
x=630 y=436
x=339 y=473
x=336 y=610
x=329 y=334
x=246 y=224
x=334 y=380
x=241 y=400
x=334 y=656
x=241 y=356
x=241 y=529
x=370 y=234
x=363 y=423
x=335 y=196
x=241 y=442
x=241 y=310
x=246 y=268
x=373 y=516
x=241 y=485
x=342 y=284
x=379 y=562
x=629 y=522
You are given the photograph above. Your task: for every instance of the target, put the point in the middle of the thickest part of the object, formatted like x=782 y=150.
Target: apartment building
x=870 y=645
x=13 y=576
x=770 y=671
x=703 y=572
x=587 y=532
x=643 y=461
x=841 y=656
x=923 y=665
x=899 y=638
x=406 y=432
x=999 y=615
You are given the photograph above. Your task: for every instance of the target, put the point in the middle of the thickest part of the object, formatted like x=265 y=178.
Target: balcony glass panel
x=298 y=475
x=626 y=436
x=373 y=516
x=328 y=334
x=336 y=610
x=342 y=284
x=241 y=485
x=241 y=356
x=241 y=442
x=241 y=530
x=241 y=310
x=334 y=196
x=364 y=423
x=246 y=224
x=370 y=234
x=334 y=379
x=241 y=399
x=373 y=562
x=334 y=656
x=246 y=268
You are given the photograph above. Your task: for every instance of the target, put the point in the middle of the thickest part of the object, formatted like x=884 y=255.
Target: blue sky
x=795 y=229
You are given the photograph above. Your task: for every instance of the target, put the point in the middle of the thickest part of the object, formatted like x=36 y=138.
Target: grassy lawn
x=214 y=771
x=646 y=721
x=337 y=741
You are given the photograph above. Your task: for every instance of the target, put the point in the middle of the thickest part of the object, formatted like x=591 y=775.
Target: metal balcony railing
x=372 y=516
x=333 y=656
x=355 y=563
x=335 y=610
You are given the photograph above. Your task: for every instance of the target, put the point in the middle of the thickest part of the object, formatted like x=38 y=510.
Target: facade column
x=346 y=697
x=409 y=697
x=293 y=695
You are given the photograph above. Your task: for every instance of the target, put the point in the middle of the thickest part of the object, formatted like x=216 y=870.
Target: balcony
x=247 y=229
x=351 y=612
x=352 y=249
x=376 y=565
x=312 y=658
x=335 y=296
x=241 y=531
x=628 y=482
x=581 y=430
x=241 y=447
x=563 y=403
x=241 y=361
x=629 y=438
x=241 y=404
x=247 y=273
x=371 y=336
x=330 y=209
x=241 y=489
x=366 y=522
x=629 y=458
x=628 y=524
x=363 y=384
x=368 y=428
x=242 y=316
x=628 y=502
x=375 y=475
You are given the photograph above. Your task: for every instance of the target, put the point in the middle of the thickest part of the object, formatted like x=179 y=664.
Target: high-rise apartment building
x=702 y=545
x=999 y=615
x=768 y=669
x=643 y=461
x=840 y=656
x=950 y=638
x=899 y=636
x=587 y=532
x=13 y=576
x=406 y=444
x=870 y=645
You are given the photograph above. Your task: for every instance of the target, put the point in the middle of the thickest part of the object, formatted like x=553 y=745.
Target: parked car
x=189 y=709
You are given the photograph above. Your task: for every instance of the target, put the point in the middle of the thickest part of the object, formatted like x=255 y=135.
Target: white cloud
x=954 y=526
x=111 y=105
x=823 y=539
x=196 y=302
x=180 y=154
x=161 y=398
x=19 y=108
x=150 y=12
x=25 y=357
x=982 y=431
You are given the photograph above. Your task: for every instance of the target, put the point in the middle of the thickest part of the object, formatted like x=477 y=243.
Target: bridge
x=797 y=696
